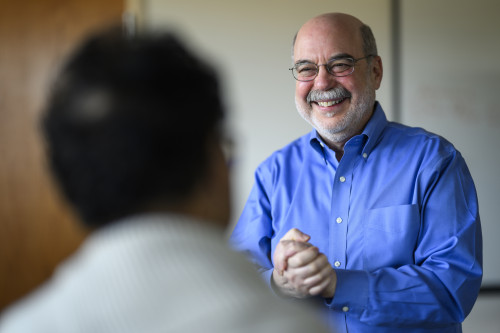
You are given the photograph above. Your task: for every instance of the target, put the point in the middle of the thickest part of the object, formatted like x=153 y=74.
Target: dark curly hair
x=128 y=121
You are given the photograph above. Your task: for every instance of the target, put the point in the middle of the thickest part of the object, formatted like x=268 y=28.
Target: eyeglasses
x=307 y=71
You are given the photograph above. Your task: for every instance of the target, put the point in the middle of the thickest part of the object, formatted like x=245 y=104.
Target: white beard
x=347 y=126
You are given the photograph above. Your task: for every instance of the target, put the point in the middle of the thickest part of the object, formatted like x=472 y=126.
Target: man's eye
x=307 y=69
x=338 y=67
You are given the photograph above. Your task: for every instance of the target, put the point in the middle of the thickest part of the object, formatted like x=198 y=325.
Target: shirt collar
x=317 y=144
x=374 y=128
x=372 y=132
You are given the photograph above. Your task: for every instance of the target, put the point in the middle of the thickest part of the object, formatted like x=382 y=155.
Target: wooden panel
x=37 y=230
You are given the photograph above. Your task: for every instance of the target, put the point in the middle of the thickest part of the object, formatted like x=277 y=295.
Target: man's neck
x=338 y=145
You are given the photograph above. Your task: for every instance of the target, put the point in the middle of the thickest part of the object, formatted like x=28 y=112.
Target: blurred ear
x=211 y=200
x=377 y=71
x=221 y=198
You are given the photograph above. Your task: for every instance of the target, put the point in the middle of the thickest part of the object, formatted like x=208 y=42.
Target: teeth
x=330 y=103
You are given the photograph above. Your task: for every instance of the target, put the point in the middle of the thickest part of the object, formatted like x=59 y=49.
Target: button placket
x=341 y=196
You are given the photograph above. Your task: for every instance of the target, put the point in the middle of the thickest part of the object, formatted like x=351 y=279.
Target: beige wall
x=250 y=42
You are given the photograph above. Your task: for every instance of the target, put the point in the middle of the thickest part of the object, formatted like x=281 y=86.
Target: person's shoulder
x=198 y=278
x=32 y=313
x=416 y=138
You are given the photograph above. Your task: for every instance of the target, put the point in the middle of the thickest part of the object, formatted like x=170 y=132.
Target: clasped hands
x=300 y=270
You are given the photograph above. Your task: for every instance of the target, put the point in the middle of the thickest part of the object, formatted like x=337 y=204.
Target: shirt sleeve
x=253 y=232
x=441 y=286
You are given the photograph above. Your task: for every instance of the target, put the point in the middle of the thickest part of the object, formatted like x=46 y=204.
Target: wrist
x=278 y=284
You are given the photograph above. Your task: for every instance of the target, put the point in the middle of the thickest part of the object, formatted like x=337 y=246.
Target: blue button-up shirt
x=397 y=218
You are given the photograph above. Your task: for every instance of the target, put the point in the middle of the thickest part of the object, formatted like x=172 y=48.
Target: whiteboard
x=450 y=84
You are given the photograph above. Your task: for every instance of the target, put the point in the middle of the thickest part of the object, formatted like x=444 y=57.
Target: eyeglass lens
x=336 y=67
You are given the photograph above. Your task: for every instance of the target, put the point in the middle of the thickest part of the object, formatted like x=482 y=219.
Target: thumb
x=296 y=235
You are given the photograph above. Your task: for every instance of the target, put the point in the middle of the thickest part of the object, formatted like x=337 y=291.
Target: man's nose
x=324 y=80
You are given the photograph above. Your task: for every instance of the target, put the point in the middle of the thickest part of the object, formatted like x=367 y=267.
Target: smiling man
x=377 y=221
x=336 y=100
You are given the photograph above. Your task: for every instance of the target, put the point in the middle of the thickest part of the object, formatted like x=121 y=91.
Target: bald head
x=337 y=23
x=333 y=20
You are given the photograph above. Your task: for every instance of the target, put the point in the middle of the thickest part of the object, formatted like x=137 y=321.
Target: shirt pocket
x=390 y=236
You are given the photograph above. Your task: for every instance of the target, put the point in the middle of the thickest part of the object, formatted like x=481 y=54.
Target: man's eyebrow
x=301 y=62
x=341 y=56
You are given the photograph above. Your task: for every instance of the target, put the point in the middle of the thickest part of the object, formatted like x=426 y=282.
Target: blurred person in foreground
x=133 y=131
x=377 y=221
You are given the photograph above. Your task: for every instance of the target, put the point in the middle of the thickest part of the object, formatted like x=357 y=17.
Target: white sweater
x=156 y=273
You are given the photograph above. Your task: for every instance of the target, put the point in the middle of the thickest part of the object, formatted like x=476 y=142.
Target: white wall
x=250 y=42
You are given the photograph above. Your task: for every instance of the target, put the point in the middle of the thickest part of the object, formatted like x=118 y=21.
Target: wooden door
x=37 y=230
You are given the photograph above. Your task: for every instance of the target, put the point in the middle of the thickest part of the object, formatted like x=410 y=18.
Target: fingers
x=310 y=262
x=300 y=270
x=291 y=247
x=303 y=257
x=322 y=282
x=296 y=235
x=317 y=277
x=318 y=289
x=286 y=249
x=291 y=243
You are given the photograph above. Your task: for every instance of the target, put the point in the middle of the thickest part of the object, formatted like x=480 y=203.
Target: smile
x=330 y=103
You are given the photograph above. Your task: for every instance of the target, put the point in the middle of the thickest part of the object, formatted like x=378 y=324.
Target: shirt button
x=345 y=308
x=337 y=263
x=342 y=179
x=339 y=220
x=365 y=155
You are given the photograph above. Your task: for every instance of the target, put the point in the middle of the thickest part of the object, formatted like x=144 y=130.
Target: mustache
x=320 y=95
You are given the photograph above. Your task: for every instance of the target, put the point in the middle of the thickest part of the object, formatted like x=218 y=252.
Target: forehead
x=321 y=40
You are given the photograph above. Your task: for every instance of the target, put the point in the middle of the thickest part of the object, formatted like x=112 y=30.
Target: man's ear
x=377 y=71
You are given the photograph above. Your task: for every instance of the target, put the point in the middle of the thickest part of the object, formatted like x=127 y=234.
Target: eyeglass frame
x=354 y=61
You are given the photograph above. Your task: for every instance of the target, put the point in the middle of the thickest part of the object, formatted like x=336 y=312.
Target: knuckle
x=297 y=261
x=315 y=267
x=322 y=258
